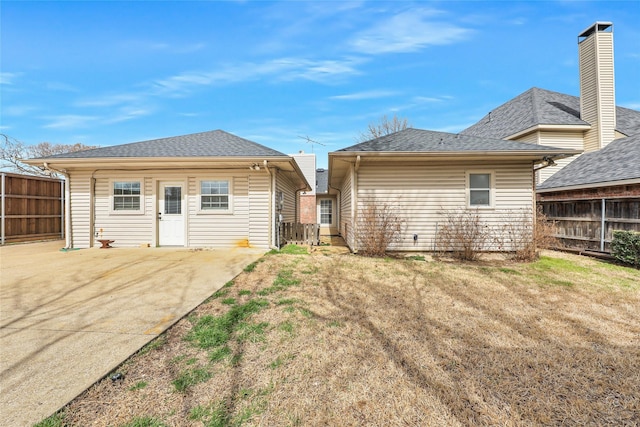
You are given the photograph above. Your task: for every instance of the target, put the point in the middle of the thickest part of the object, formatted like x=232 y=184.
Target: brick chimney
x=597 y=89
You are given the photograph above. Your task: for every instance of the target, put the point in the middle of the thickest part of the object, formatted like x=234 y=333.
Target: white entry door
x=326 y=212
x=170 y=214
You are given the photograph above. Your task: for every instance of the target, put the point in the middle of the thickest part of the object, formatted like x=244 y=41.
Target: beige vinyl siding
x=307 y=164
x=246 y=223
x=422 y=192
x=219 y=229
x=80 y=188
x=259 y=210
x=531 y=138
x=126 y=228
x=345 y=206
x=572 y=140
x=597 y=95
x=288 y=189
x=559 y=139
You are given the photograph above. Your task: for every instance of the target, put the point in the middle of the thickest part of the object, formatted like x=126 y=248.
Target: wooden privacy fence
x=580 y=224
x=32 y=208
x=299 y=234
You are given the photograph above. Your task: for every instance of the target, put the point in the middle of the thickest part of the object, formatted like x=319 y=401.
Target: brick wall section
x=308 y=209
x=632 y=190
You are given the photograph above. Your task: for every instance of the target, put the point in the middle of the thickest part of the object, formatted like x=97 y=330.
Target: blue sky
x=105 y=73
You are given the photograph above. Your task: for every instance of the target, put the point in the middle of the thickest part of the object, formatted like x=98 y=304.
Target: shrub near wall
x=625 y=247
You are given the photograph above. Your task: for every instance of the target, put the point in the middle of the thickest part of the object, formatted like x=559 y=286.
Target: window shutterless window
x=126 y=196
x=214 y=195
x=479 y=189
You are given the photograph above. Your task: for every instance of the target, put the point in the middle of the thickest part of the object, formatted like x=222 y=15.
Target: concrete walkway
x=68 y=319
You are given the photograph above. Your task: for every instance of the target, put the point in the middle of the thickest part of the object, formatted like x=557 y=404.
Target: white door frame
x=333 y=211
x=161 y=184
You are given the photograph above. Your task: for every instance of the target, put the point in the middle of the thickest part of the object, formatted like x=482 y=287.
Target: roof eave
x=534 y=154
x=590 y=185
x=134 y=161
x=542 y=127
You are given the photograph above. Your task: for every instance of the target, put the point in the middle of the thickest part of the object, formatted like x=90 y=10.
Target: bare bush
x=378 y=226
x=463 y=234
x=523 y=236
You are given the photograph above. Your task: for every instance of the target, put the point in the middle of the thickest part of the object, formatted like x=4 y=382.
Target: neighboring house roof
x=215 y=143
x=543 y=107
x=618 y=161
x=322 y=181
x=426 y=141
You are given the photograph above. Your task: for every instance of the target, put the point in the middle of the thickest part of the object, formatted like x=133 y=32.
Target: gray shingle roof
x=322 y=181
x=426 y=141
x=543 y=107
x=619 y=160
x=215 y=143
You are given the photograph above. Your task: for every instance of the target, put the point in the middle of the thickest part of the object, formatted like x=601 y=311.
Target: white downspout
x=67 y=204
x=271 y=206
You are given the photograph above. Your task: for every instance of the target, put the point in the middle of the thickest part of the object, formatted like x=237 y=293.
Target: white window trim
x=201 y=211
x=140 y=211
x=492 y=189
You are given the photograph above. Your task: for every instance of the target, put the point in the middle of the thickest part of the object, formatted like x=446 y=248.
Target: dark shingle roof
x=425 y=141
x=215 y=143
x=322 y=181
x=543 y=107
x=619 y=160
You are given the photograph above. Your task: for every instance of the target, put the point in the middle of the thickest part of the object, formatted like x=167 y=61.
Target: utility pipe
x=67 y=204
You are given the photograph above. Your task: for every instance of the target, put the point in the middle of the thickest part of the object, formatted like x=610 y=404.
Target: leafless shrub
x=463 y=234
x=522 y=235
x=378 y=226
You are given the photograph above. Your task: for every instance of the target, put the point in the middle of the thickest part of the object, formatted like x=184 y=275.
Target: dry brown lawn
x=350 y=341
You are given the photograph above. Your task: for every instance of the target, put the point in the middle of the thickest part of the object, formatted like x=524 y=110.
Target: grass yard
x=307 y=340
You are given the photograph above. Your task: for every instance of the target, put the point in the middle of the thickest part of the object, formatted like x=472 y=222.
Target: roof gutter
x=67 y=203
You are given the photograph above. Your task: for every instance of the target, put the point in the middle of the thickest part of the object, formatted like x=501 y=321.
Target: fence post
x=602 y=225
x=2 y=227
x=62 y=202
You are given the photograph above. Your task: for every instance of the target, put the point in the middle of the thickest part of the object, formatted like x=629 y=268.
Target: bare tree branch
x=384 y=126
x=13 y=152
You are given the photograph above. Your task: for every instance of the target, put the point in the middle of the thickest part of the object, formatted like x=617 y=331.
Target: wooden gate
x=300 y=234
x=32 y=208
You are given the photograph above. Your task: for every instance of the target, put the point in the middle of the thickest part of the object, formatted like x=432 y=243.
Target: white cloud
x=128 y=113
x=371 y=94
x=155 y=46
x=18 y=110
x=69 y=121
x=8 y=78
x=408 y=31
x=281 y=69
x=110 y=100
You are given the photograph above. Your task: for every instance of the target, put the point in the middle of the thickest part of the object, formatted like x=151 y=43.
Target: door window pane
x=326 y=211
x=173 y=200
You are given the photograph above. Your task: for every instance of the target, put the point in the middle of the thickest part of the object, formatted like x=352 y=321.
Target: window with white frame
x=479 y=185
x=127 y=196
x=215 y=195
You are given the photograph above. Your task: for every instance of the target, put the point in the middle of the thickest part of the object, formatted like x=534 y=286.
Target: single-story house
x=209 y=189
x=423 y=174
